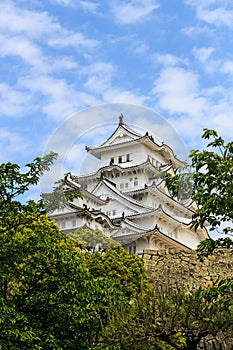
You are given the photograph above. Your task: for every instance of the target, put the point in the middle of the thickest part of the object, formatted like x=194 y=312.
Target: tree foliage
x=92 y=240
x=208 y=180
x=120 y=266
x=64 y=191
x=51 y=294
x=213 y=182
x=45 y=278
x=59 y=292
x=14 y=182
x=171 y=320
x=106 y=258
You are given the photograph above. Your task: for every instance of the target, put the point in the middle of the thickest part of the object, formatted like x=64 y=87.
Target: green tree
x=171 y=320
x=213 y=184
x=90 y=241
x=208 y=180
x=119 y=266
x=51 y=296
x=116 y=263
x=46 y=280
x=14 y=182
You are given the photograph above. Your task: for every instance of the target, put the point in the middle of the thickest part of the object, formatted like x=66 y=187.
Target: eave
x=147 y=140
x=119 y=194
x=127 y=239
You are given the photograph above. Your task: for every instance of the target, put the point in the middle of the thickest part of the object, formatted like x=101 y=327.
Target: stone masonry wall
x=182 y=270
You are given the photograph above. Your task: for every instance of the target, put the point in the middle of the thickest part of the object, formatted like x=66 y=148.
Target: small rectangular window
x=120 y=159
x=128 y=157
x=63 y=224
x=73 y=223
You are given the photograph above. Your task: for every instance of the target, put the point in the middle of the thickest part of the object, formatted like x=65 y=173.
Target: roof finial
x=121 y=119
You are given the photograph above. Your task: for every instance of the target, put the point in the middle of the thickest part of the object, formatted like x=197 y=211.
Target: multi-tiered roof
x=127 y=198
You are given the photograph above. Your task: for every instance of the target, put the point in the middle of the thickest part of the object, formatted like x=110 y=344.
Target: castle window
x=73 y=223
x=124 y=158
x=135 y=183
x=63 y=224
x=124 y=185
x=128 y=157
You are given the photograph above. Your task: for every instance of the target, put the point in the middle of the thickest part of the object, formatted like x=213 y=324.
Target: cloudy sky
x=62 y=57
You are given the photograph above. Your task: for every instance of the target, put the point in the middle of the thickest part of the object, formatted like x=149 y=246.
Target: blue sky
x=61 y=57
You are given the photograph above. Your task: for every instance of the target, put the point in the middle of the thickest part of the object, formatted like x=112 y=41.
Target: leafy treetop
x=209 y=181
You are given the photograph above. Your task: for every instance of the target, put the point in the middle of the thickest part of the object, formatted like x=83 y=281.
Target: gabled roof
x=122 y=132
x=75 y=186
x=156 y=188
x=127 y=239
x=134 y=204
x=109 y=168
x=85 y=211
x=162 y=214
x=124 y=136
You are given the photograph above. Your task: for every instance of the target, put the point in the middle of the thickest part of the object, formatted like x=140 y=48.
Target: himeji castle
x=127 y=199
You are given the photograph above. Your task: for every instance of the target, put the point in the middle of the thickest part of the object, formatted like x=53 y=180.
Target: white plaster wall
x=115 y=153
x=188 y=238
x=119 y=208
x=138 y=151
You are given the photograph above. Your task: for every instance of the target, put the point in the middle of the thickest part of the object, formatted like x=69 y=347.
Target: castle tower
x=127 y=199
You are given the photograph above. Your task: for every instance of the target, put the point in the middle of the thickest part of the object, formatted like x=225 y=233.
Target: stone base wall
x=182 y=270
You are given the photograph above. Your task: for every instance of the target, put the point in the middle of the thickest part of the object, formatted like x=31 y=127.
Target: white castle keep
x=127 y=199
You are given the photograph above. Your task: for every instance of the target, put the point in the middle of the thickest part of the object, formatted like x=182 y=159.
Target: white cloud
x=116 y=95
x=197 y=30
x=32 y=54
x=23 y=48
x=168 y=59
x=203 y=54
x=40 y=26
x=99 y=83
x=63 y=2
x=130 y=12
x=207 y=63
x=177 y=91
x=75 y=40
x=13 y=101
x=61 y=99
x=227 y=67
x=89 y=6
x=11 y=144
x=213 y=12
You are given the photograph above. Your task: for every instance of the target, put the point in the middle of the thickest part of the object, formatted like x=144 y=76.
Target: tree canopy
x=208 y=180
x=60 y=292
x=51 y=294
